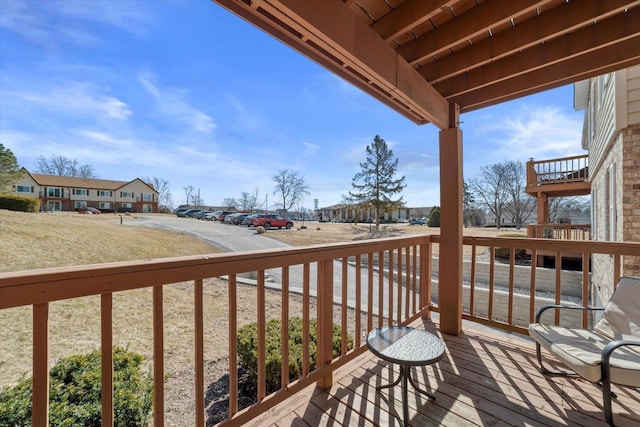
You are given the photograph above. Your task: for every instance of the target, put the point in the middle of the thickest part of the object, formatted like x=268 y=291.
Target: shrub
x=504 y=253
x=248 y=349
x=434 y=217
x=19 y=203
x=75 y=389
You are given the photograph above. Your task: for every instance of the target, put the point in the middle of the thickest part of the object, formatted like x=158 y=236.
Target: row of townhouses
x=63 y=193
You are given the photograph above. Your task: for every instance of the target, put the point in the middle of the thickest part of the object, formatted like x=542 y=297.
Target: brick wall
x=631 y=195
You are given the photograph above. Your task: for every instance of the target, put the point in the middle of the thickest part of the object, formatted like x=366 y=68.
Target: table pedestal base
x=405 y=375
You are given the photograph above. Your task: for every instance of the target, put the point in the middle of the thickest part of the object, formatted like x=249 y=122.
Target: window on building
x=126 y=194
x=80 y=204
x=147 y=197
x=54 y=192
x=104 y=193
x=105 y=205
x=126 y=205
x=80 y=191
x=24 y=189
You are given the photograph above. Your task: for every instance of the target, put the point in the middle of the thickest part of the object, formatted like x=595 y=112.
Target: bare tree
x=230 y=203
x=162 y=186
x=64 y=166
x=491 y=189
x=188 y=192
x=290 y=188
x=520 y=205
x=248 y=201
x=376 y=182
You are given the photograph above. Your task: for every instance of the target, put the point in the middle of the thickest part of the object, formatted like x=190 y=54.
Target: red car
x=270 y=221
x=89 y=210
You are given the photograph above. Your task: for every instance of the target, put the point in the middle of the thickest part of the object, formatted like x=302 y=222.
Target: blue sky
x=185 y=91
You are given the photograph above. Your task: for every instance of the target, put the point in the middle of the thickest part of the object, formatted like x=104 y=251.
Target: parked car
x=200 y=215
x=233 y=218
x=271 y=221
x=248 y=220
x=210 y=216
x=89 y=210
x=223 y=214
x=417 y=222
x=187 y=213
x=180 y=210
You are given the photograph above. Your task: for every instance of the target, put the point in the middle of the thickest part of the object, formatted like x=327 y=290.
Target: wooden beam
x=579 y=43
x=623 y=55
x=556 y=22
x=451 y=185
x=408 y=15
x=330 y=34
x=476 y=21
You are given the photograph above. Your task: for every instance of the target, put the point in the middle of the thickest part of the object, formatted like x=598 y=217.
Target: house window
x=147 y=197
x=105 y=205
x=147 y=208
x=104 y=193
x=54 y=192
x=126 y=194
x=24 y=189
x=80 y=204
x=80 y=191
x=126 y=205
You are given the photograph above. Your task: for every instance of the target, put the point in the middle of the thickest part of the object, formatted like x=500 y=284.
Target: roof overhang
x=419 y=56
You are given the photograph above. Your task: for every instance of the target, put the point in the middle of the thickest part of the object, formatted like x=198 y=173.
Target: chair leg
x=546 y=371
x=606 y=392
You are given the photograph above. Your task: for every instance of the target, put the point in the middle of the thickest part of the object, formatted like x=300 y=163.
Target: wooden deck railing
x=559 y=231
x=387 y=281
x=554 y=171
x=512 y=305
x=342 y=274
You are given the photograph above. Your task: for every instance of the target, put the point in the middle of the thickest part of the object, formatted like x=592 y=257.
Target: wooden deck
x=486 y=378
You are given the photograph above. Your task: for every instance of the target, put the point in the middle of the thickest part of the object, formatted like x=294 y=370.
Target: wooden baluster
x=233 y=345
x=158 y=357
x=106 y=356
x=40 y=411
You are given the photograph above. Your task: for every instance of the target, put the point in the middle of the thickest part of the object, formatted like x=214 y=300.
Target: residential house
x=365 y=213
x=611 y=134
x=64 y=193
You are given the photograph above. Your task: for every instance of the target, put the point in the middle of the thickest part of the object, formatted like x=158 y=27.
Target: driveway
x=232 y=238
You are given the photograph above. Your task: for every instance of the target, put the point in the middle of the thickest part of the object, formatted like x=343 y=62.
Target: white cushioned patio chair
x=610 y=353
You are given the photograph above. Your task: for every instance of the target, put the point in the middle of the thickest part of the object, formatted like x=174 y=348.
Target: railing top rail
x=560 y=159
x=39 y=286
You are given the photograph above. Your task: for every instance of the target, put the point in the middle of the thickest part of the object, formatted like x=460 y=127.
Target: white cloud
x=533 y=131
x=56 y=22
x=80 y=99
x=310 y=149
x=170 y=104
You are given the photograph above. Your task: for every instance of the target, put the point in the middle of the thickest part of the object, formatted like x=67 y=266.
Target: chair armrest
x=613 y=345
x=568 y=307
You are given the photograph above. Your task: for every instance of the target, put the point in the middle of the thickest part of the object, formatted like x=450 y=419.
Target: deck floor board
x=486 y=378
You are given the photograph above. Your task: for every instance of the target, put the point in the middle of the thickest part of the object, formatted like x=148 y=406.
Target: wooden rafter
x=418 y=55
x=478 y=20
x=542 y=28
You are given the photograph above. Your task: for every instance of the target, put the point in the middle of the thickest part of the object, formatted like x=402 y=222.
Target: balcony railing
x=558 y=171
x=385 y=281
x=559 y=231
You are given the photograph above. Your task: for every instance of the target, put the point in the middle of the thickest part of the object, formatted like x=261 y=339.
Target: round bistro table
x=406 y=347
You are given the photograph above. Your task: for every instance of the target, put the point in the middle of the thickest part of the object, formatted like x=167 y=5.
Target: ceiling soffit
x=417 y=56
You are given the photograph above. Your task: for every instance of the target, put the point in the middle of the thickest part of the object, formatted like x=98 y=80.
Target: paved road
x=239 y=238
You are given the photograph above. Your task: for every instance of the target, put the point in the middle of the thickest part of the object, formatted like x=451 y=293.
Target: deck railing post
x=325 y=319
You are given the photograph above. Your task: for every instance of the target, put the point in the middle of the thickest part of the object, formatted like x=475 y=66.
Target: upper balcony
x=485 y=377
x=568 y=176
